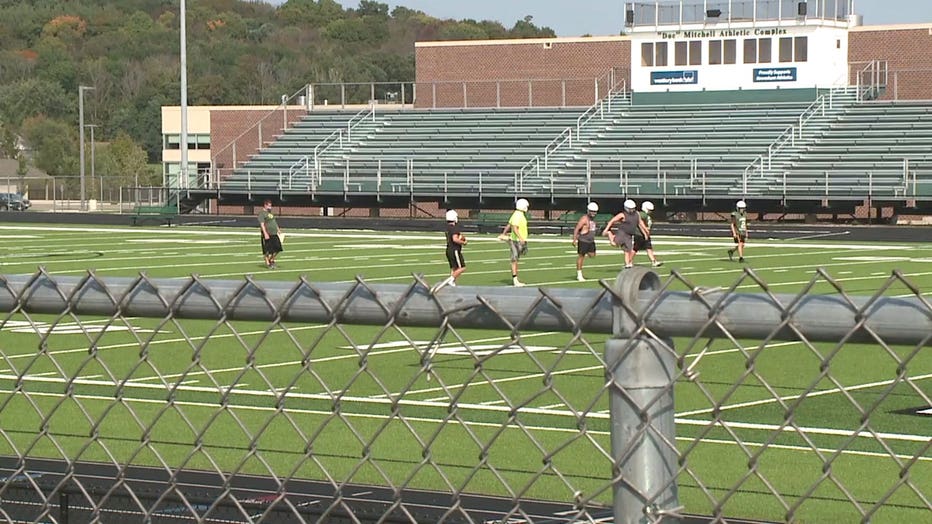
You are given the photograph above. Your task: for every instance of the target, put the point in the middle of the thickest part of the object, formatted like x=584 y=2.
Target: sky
x=606 y=17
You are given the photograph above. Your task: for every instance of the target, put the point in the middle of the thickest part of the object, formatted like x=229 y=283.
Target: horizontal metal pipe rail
x=667 y=314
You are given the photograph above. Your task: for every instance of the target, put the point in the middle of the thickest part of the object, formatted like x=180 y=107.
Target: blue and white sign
x=775 y=74
x=673 y=78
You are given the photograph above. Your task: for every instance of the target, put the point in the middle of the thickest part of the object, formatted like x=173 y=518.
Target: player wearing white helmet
x=455 y=242
x=629 y=223
x=584 y=238
x=644 y=243
x=739 y=230
x=516 y=232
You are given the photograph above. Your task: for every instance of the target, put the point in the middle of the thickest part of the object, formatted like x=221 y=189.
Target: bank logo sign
x=669 y=78
x=775 y=74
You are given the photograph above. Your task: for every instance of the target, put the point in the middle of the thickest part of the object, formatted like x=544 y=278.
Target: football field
x=359 y=404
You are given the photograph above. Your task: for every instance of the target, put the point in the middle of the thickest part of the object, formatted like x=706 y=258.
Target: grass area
x=494 y=415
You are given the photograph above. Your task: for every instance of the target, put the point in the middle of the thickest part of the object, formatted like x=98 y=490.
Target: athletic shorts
x=455 y=258
x=518 y=249
x=642 y=244
x=585 y=247
x=271 y=246
x=625 y=241
x=742 y=237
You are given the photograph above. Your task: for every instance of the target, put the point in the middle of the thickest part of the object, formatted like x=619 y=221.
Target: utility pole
x=81 y=90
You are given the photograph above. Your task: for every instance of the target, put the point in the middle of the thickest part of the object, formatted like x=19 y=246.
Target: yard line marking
x=738 y=350
x=811 y=394
x=815 y=235
x=803 y=429
x=826 y=451
x=543 y=429
x=874 y=259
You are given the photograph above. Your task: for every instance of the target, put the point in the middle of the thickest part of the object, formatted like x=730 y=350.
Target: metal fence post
x=641 y=371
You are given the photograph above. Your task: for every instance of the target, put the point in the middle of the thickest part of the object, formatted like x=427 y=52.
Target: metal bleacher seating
x=674 y=149
x=844 y=149
x=272 y=167
x=876 y=148
x=438 y=150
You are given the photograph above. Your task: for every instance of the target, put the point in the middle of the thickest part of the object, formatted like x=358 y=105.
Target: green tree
x=526 y=29
x=313 y=13
x=32 y=97
x=54 y=145
x=123 y=161
x=22 y=168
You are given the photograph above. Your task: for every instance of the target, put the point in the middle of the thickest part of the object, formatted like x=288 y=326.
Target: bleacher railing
x=660 y=177
x=309 y=166
x=251 y=140
x=601 y=108
x=825 y=102
x=872 y=80
x=641 y=400
x=656 y=13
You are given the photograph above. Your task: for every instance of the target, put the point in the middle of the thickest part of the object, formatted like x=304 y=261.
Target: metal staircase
x=766 y=173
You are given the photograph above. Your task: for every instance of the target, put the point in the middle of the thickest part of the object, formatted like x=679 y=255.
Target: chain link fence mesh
x=191 y=400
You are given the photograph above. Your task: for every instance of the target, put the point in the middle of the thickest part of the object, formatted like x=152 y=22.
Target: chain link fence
x=643 y=400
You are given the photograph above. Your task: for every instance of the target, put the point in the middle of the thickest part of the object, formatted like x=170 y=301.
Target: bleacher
x=275 y=166
x=845 y=150
x=449 y=150
x=874 y=149
x=679 y=150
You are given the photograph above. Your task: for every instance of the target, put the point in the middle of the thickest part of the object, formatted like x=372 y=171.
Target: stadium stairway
x=881 y=149
x=279 y=165
x=674 y=149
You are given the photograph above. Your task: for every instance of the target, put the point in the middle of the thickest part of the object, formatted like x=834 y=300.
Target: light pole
x=100 y=189
x=81 y=90
x=183 y=171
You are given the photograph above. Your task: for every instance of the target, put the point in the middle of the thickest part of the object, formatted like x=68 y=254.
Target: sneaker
x=580 y=278
x=731 y=255
x=656 y=263
x=629 y=266
x=439 y=285
x=517 y=283
x=273 y=266
x=741 y=259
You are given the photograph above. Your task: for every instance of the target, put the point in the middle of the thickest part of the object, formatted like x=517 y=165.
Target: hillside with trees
x=239 y=52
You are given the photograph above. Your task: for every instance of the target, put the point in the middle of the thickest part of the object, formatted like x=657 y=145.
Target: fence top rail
x=635 y=301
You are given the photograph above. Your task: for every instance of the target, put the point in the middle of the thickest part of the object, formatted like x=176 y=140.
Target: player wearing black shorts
x=584 y=238
x=271 y=242
x=455 y=242
x=643 y=242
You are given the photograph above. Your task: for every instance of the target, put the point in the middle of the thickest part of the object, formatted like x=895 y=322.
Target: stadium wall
x=908 y=52
x=536 y=72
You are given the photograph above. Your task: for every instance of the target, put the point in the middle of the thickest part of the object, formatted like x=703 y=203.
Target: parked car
x=14 y=202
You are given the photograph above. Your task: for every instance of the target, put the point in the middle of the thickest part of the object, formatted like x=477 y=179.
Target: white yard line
x=522 y=428
x=811 y=394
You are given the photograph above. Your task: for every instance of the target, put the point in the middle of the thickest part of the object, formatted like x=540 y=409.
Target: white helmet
x=452 y=216
x=593 y=207
x=741 y=204
x=629 y=204
x=522 y=205
x=647 y=207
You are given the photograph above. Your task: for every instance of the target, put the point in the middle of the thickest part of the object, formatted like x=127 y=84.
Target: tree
x=123 y=161
x=526 y=29
x=22 y=168
x=55 y=147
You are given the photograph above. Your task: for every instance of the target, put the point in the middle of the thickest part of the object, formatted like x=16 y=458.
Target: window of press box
x=688 y=53
x=794 y=49
x=647 y=54
x=195 y=141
